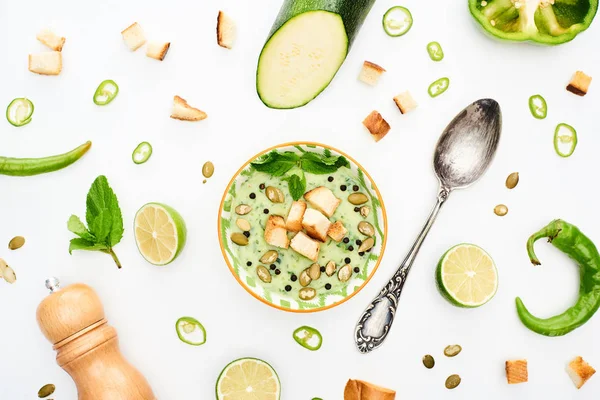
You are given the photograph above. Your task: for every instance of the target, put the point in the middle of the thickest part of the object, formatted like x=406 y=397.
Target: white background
x=143 y=301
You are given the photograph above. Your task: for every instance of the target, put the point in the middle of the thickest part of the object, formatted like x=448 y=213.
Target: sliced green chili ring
x=397 y=21
x=19 y=111
x=538 y=106
x=190 y=331
x=565 y=140
x=106 y=92
x=308 y=337
x=142 y=153
x=438 y=87
x=434 y=49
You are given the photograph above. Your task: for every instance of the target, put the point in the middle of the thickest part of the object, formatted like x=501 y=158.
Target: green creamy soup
x=285 y=272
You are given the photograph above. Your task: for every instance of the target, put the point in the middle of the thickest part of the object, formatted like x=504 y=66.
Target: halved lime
x=467 y=276
x=159 y=233
x=248 y=379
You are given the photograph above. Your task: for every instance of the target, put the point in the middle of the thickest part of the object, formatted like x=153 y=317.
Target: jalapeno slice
x=190 y=331
x=19 y=111
x=538 y=106
x=434 y=49
x=142 y=153
x=106 y=92
x=565 y=140
x=438 y=87
x=308 y=337
x=397 y=21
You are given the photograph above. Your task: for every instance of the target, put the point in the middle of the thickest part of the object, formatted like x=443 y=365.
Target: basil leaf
x=276 y=164
x=297 y=186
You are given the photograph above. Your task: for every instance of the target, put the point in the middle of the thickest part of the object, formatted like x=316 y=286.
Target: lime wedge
x=467 y=276
x=248 y=379
x=159 y=233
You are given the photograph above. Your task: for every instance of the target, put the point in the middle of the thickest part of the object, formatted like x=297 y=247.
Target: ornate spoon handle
x=375 y=322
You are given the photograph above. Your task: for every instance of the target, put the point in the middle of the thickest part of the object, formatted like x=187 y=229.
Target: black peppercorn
x=249 y=263
x=350 y=248
x=294 y=278
x=328 y=286
x=356 y=209
x=330 y=179
x=277 y=272
x=355 y=188
x=252 y=196
x=246 y=233
x=288 y=288
x=273 y=266
x=346 y=240
x=356 y=270
x=343 y=188
x=358 y=242
x=266 y=210
x=322 y=268
x=261 y=186
x=361 y=253
x=347 y=260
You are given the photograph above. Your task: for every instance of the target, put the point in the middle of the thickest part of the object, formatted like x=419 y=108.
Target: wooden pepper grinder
x=73 y=320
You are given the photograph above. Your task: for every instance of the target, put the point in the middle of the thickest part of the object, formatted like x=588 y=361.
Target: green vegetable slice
x=190 y=331
x=565 y=140
x=538 y=106
x=438 y=87
x=106 y=92
x=434 y=49
x=19 y=111
x=397 y=21
x=308 y=337
x=142 y=153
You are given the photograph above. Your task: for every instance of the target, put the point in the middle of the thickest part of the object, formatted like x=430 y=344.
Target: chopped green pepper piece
x=397 y=21
x=308 y=337
x=142 y=153
x=19 y=111
x=435 y=51
x=438 y=87
x=106 y=92
x=542 y=21
x=190 y=331
x=565 y=140
x=538 y=106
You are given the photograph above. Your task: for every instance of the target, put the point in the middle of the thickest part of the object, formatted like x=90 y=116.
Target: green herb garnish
x=296 y=185
x=104 y=220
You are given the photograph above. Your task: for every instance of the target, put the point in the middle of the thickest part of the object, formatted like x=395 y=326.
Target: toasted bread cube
x=370 y=73
x=323 y=200
x=304 y=245
x=516 y=371
x=405 y=102
x=133 y=36
x=337 y=231
x=580 y=83
x=47 y=63
x=225 y=30
x=157 y=50
x=50 y=39
x=294 y=218
x=580 y=371
x=376 y=125
x=275 y=232
x=184 y=112
x=316 y=224
x=361 y=390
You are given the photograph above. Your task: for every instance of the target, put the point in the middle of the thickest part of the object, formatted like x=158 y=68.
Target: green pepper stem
x=550 y=231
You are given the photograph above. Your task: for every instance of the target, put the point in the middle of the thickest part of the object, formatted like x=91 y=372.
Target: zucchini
x=307 y=45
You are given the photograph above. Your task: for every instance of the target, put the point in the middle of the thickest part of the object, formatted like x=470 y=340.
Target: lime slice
x=248 y=379
x=159 y=233
x=467 y=276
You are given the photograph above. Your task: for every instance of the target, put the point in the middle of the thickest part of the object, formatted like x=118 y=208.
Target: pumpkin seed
x=208 y=169
x=269 y=257
x=274 y=194
x=243 y=224
x=366 y=245
x=452 y=381
x=16 y=243
x=314 y=271
x=243 y=209
x=345 y=273
x=3 y=265
x=366 y=228
x=330 y=268
x=428 y=361
x=239 y=239
x=307 y=293
x=46 y=390
x=500 y=210
x=364 y=211
x=305 y=278
x=358 y=198
x=263 y=273
x=452 y=350
x=9 y=275
x=513 y=180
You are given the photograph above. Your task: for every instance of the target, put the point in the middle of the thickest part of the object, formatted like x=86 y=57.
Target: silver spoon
x=463 y=153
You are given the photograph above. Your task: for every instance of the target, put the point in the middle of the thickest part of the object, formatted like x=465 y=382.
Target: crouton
x=275 y=232
x=47 y=63
x=184 y=112
x=580 y=371
x=293 y=222
x=133 y=36
x=316 y=224
x=323 y=200
x=225 y=30
x=305 y=246
x=580 y=83
x=405 y=102
x=157 y=50
x=370 y=73
x=516 y=371
x=361 y=390
x=50 y=39
x=337 y=231
x=376 y=125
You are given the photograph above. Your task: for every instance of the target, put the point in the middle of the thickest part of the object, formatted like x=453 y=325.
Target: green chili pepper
x=397 y=21
x=190 y=331
x=142 y=153
x=549 y=21
x=565 y=140
x=438 y=87
x=568 y=239
x=308 y=337
x=36 y=166
x=435 y=51
x=106 y=92
x=19 y=111
x=538 y=106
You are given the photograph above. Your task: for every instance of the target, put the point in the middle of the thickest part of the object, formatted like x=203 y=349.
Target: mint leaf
x=82 y=244
x=101 y=226
x=297 y=186
x=77 y=227
x=321 y=164
x=276 y=164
